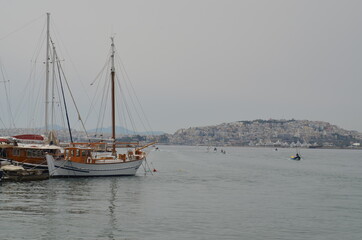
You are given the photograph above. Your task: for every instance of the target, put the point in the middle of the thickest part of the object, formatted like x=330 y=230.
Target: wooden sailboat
x=29 y=150
x=98 y=159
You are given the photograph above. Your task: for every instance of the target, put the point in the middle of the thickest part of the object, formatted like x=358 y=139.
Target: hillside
x=278 y=133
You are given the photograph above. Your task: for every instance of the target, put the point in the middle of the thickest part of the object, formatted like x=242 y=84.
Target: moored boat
x=27 y=150
x=88 y=162
x=20 y=174
x=86 y=159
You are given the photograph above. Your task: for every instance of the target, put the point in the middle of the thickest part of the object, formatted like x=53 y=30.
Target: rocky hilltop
x=277 y=133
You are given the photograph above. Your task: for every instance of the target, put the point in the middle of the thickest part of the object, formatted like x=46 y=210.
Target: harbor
x=197 y=195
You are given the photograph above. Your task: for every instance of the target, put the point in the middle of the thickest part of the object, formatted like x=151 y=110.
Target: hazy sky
x=205 y=62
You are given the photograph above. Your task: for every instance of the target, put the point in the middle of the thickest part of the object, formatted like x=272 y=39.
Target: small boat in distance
x=99 y=158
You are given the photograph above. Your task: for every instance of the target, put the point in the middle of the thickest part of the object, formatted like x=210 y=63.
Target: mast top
x=112 y=55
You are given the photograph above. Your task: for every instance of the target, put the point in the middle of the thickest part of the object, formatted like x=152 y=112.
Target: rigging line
x=127 y=77
x=65 y=104
x=33 y=74
x=63 y=46
x=124 y=117
x=75 y=105
x=40 y=42
x=123 y=95
x=135 y=107
x=0 y=109
x=35 y=57
x=132 y=101
x=60 y=105
x=128 y=110
x=11 y=118
x=104 y=105
x=2 y=120
x=37 y=102
x=97 y=92
x=3 y=123
x=108 y=90
x=22 y=27
x=100 y=72
x=9 y=107
x=92 y=105
x=98 y=89
x=27 y=88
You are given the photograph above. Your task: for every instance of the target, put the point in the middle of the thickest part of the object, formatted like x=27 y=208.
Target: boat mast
x=47 y=75
x=53 y=85
x=113 y=101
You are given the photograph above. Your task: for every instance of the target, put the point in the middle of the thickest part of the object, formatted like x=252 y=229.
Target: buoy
x=154 y=170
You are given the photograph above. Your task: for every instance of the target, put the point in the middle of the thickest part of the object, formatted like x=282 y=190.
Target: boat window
x=71 y=153
x=33 y=153
x=66 y=152
x=2 y=152
x=78 y=152
x=38 y=153
x=16 y=152
x=84 y=152
x=29 y=153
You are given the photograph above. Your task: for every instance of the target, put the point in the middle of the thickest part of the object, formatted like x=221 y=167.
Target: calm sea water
x=247 y=193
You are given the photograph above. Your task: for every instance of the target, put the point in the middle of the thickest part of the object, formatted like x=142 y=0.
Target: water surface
x=247 y=193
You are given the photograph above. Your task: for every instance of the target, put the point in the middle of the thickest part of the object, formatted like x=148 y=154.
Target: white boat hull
x=65 y=168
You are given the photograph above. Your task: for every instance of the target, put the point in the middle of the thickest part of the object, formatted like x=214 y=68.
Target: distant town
x=267 y=133
x=256 y=133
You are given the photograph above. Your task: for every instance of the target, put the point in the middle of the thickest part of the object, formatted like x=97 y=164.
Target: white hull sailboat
x=99 y=158
x=65 y=168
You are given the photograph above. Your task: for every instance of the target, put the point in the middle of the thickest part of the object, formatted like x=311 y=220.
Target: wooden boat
x=27 y=150
x=86 y=159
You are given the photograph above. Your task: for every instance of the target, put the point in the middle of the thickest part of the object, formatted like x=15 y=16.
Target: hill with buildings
x=275 y=133
x=263 y=133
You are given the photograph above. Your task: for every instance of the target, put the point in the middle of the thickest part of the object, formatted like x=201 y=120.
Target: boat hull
x=43 y=167
x=65 y=168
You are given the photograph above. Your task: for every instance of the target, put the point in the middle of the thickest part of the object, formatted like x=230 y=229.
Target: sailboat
x=29 y=150
x=99 y=158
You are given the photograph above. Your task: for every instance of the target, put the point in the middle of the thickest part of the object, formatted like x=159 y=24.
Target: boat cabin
x=76 y=154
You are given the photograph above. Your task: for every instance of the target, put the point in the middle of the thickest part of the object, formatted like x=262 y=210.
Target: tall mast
x=47 y=75
x=53 y=86
x=113 y=101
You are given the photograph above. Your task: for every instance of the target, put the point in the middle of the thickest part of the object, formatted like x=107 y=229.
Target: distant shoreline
x=271 y=147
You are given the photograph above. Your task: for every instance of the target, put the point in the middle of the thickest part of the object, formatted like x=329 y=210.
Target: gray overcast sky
x=205 y=62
